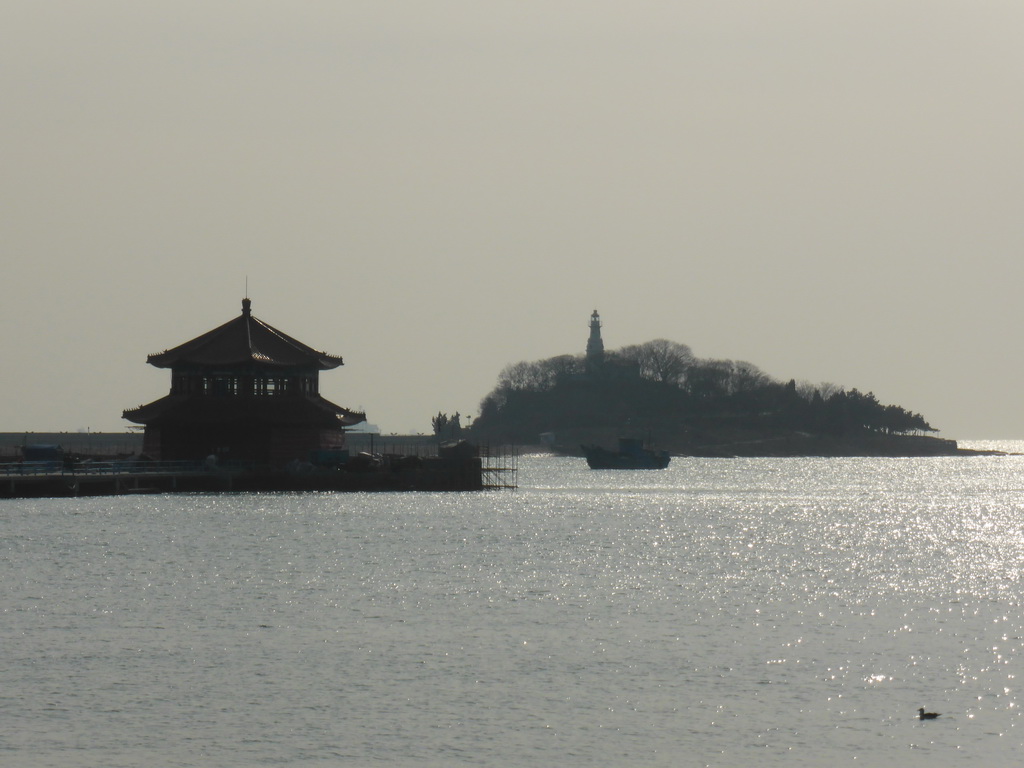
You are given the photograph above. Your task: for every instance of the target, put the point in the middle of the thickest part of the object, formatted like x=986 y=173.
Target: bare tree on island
x=660 y=360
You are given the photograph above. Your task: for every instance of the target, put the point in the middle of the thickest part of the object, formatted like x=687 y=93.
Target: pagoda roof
x=280 y=410
x=246 y=340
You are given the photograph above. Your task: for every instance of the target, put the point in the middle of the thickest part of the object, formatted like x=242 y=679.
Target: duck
x=922 y=715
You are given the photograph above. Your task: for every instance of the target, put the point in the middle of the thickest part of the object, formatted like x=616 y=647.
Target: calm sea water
x=722 y=612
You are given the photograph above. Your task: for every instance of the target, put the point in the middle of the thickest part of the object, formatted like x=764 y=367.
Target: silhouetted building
x=243 y=391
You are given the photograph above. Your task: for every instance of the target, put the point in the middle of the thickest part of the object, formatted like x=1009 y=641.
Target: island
x=662 y=393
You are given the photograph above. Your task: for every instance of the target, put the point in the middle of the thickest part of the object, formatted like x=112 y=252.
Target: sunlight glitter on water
x=721 y=612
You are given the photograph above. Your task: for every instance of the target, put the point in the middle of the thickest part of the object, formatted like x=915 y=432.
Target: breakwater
x=459 y=467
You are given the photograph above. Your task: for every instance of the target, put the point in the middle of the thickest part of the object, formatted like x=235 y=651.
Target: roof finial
x=245 y=306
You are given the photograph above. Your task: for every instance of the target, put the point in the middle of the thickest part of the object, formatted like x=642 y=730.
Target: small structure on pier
x=244 y=391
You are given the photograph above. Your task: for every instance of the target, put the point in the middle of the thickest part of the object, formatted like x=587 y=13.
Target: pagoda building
x=244 y=391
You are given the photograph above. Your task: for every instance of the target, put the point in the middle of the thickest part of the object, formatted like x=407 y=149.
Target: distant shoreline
x=795 y=446
x=712 y=444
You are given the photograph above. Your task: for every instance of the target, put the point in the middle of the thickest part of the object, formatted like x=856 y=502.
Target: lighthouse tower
x=595 y=346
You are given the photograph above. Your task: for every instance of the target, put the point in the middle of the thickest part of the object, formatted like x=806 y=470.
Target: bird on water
x=926 y=715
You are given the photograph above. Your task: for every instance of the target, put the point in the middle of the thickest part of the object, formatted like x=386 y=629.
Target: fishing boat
x=631 y=455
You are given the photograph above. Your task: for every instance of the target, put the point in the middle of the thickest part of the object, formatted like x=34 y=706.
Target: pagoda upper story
x=244 y=356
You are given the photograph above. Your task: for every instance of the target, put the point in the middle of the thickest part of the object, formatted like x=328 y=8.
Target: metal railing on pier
x=43 y=468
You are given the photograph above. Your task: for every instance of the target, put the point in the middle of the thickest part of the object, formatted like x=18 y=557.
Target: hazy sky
x=829 y=190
